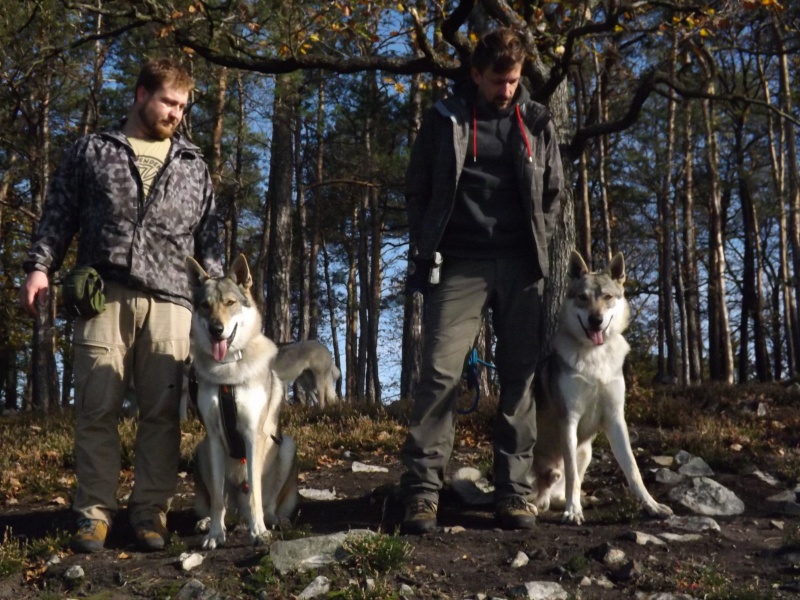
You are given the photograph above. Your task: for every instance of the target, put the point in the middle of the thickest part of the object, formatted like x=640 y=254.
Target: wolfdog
x=242 y=464
x=310 y=365
x=579 y=390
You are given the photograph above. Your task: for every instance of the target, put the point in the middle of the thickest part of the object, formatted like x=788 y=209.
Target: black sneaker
x=514 y=512
x=420 y=517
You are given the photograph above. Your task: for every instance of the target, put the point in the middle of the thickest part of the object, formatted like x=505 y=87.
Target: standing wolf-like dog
x=242 y=463
x=310 y=364
x=580 y=390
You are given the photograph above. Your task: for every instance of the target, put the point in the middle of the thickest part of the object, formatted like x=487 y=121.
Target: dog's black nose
x=595 y=321
x=216 y=329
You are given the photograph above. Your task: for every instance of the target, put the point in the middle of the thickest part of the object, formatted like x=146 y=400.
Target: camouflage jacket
x=97 y=192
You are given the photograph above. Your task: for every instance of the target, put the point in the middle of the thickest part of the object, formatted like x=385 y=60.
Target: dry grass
x=718 y=422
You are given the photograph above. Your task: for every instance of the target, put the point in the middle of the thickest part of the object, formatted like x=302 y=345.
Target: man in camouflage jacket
x=141 y=200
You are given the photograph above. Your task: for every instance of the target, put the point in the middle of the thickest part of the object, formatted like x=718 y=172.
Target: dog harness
x=227 y=411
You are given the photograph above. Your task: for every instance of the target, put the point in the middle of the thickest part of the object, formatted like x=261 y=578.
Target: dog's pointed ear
x=616 y=268
x=197 y=274
x=577 y=266
x=240 y=272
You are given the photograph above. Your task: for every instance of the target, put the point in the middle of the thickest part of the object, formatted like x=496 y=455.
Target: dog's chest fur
x=586 y=381
x=597 y=365
x=251 y=380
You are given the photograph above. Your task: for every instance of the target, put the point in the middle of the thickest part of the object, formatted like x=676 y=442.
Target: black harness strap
x=227 y=405
x=227 y=411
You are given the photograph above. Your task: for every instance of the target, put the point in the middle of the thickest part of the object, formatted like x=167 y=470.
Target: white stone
x=677 y=537
x=190 y=561
x=541 y=590
x=315 y=494
x=520 y=560
x=645 y=538
x=359 y=467
x=74 y=572
x=321 y=585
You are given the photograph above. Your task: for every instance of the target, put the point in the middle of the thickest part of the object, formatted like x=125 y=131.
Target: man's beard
x=155 y=129
x=500 y=103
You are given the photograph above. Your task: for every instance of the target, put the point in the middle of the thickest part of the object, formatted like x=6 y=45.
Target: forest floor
x=754 y=555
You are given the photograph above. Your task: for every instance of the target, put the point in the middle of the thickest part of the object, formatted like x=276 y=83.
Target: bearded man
x=141 y=199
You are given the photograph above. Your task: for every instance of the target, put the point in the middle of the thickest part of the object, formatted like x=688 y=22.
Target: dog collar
x=232 y=357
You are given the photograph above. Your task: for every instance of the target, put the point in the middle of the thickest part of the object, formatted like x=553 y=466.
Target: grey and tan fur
x=310 y=364
x=580 y=390
x=228 y=348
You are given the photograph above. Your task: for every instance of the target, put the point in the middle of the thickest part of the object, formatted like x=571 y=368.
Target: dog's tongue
x=219 y=349
x=596 y=337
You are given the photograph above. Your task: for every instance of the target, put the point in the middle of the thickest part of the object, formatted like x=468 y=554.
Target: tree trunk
x=44 y=388
x=784 y=296
x=583 y=221
x=351 y=337
x=563 y=241
x=215 y=160
x=793 y=175
x=667 y=352
x=720 y=348
x=363 y=365
x=690 y=276
x=332 y=315
x=303 y=243
x=601 y=75
x=752 y=300
x=279 y=201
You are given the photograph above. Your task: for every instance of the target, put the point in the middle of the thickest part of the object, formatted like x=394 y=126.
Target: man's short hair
x=500 y=50
x=160 y=72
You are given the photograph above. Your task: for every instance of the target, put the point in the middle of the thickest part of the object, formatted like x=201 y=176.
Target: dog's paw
x=573 y=516
x=542 y=502
x=259 y=534
x=660 y=511
x=203 y=525
x=213 y=541
x=261 y=539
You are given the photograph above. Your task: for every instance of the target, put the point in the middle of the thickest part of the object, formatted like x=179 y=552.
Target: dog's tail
x=472 y=487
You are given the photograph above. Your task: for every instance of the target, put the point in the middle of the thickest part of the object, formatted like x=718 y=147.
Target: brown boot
x=514 y=512
x=151 y=534
x=90 y=537
x=420 y=517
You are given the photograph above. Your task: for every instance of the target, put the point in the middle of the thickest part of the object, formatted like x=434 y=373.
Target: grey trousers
x=453 y=310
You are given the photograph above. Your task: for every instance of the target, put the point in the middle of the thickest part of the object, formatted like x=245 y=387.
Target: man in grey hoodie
x=482 y=193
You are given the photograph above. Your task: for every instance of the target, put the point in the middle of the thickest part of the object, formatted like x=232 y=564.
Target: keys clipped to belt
x=436 y=269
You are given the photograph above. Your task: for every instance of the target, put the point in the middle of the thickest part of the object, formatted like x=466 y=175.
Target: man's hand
x=33 y=292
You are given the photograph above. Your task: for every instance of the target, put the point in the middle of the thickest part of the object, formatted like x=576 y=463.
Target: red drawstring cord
x=524 y=135
x=475 y=134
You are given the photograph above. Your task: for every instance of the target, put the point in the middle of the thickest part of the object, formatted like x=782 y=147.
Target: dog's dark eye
x=608 y=297
x=230 y=303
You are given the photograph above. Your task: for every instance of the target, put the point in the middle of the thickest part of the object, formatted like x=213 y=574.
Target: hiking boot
x=90 y=537
x=514 y=512
x=151 y=535
x=420 y=517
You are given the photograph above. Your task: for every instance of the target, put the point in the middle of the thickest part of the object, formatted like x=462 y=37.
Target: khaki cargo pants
x=141 y=340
